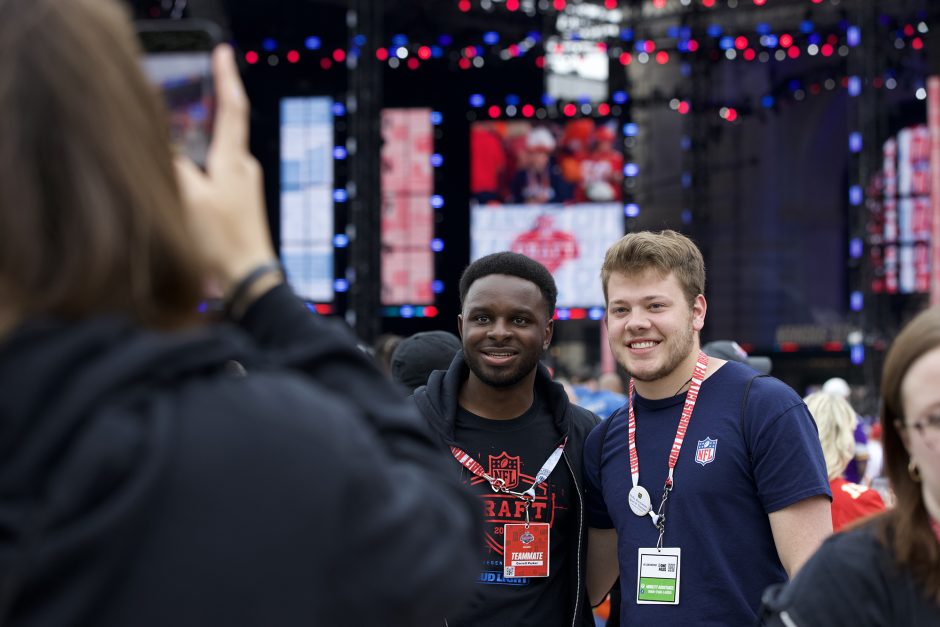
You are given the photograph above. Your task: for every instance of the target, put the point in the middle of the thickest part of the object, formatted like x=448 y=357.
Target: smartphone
x=177 y=59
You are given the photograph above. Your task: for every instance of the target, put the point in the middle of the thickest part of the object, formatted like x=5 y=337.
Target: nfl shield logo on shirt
x=705 y=451
x=506 y=467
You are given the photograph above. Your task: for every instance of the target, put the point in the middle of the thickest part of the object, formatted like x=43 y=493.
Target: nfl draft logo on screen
x=705 y=451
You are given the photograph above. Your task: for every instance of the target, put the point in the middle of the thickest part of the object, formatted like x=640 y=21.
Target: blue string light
x=856 y=301
x=853 y=36
x=855 y=85
x=855 y=195
x=858 y=355
x=855 y=142
x=856 y=248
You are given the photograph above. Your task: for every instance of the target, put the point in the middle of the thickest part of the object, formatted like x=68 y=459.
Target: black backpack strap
x=747 y=445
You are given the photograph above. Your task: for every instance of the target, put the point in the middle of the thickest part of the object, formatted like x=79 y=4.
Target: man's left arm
x=799 y=529
x=790 y=472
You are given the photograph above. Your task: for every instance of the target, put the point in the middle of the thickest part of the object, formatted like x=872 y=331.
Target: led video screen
x=407 y=182
x=307 y=195
x=568 y=240
x=551 y=191
x=521 y=162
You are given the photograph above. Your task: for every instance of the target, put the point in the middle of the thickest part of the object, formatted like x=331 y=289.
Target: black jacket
x=437 y=401
x=853 y=580
x=146 y=479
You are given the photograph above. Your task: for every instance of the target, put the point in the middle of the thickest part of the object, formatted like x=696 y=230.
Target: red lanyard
x=698 y=375
x=936 y=528
x=498 y=484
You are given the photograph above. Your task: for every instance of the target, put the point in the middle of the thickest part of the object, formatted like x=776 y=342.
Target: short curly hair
x=512 y=264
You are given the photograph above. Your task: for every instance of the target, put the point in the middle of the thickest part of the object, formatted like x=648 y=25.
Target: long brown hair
x=91 y=219
x=906 y=528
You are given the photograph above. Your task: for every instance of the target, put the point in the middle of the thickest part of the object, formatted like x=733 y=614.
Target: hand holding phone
x=226 y=201
x=178 y=61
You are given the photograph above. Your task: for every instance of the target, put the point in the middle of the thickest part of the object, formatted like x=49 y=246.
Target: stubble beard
x=678 y=349
x=508 y=379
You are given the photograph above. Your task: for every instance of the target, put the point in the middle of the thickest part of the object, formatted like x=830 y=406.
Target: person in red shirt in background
x=836 y=420
x=488 y=163
x=602 y=169
x=575 y=146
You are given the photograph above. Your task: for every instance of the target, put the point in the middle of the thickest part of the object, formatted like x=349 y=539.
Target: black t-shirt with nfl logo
x=515 y=450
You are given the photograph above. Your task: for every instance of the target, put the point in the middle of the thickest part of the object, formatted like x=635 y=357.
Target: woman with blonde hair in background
x=836 y=421
x=887 y=571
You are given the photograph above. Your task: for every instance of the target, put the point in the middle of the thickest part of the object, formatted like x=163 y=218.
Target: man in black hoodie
x=517 y=442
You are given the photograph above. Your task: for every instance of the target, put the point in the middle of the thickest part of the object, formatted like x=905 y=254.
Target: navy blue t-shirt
x=718 y=510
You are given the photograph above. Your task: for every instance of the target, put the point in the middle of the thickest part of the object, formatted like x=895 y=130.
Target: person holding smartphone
x=155 y=469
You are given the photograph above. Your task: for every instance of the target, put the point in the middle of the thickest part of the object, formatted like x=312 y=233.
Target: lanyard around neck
x=498 y=484
x=698 y=376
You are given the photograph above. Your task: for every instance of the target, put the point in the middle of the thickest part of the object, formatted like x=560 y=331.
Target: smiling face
x=505 y=328
x=653 y=332
x=921 y=400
